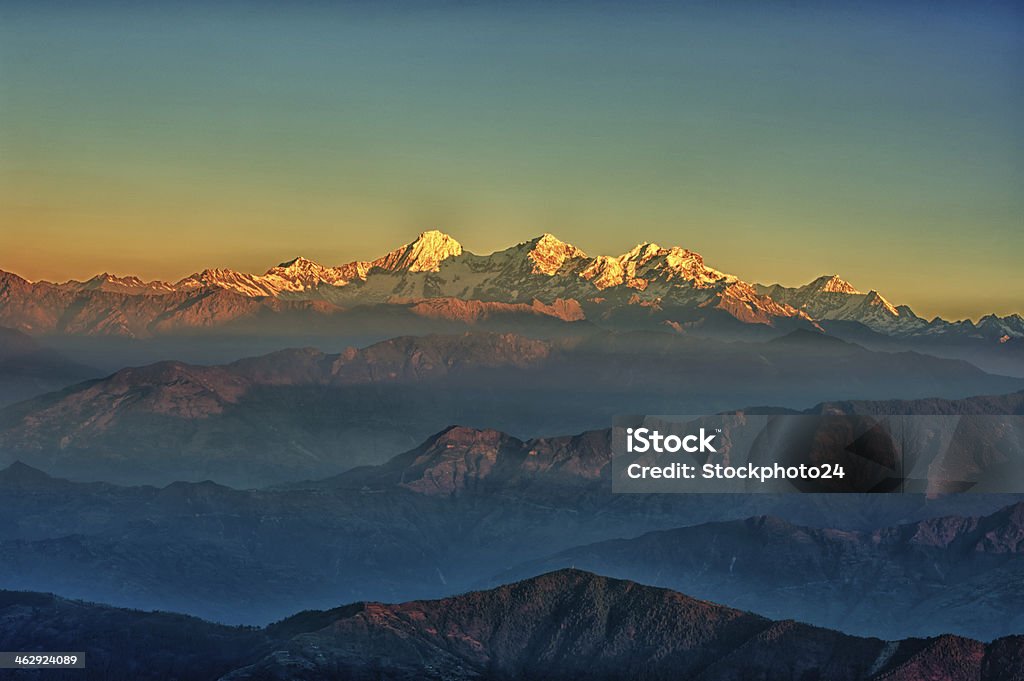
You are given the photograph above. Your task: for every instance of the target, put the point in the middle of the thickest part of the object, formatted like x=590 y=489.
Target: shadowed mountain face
x=564 y=625
x=28 y=368
x=572 y=624
x=302 y=414
x=963 y=574
x=465 y=504
x=121 y=645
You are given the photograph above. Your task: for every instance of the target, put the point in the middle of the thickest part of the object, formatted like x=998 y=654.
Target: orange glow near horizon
x=140 y=140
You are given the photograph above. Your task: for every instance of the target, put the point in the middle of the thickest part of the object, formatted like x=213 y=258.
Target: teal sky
x=882 y=143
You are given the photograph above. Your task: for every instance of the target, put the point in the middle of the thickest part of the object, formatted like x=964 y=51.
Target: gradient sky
x=881 y=141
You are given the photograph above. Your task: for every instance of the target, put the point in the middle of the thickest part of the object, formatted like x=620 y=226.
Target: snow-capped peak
x=647 y=262
x=548 y=253
x=298 y=264
x=641 y=253
x=1011 y=326
x=107 y=278
x=549 y=240
x=425 y=254
x=832 y=284
x=299 y=268
x=130 y=284
x=690 y=266
x=875 y=299
x=301 y=273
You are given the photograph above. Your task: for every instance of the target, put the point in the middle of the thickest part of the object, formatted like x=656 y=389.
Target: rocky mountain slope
x=563 y=625
x=571 y=624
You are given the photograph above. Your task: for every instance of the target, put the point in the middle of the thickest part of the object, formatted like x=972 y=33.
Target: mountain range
x=666 y=286
x=212 y=465
x=470 y=503
x=563 y=625
x=303 y=413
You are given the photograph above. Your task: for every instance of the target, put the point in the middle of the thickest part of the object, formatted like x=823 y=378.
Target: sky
x=782 y=141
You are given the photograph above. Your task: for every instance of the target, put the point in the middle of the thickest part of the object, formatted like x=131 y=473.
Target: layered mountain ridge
x=470 y=502
x=302 y=413
x=947 y=573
